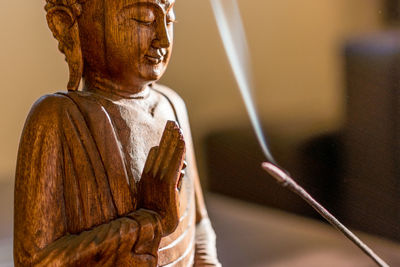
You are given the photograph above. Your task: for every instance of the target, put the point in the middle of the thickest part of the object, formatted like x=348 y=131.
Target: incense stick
x=286 y=181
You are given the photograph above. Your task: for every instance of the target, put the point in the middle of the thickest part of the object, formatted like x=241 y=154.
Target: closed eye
x=144 y=22
x=141 y=13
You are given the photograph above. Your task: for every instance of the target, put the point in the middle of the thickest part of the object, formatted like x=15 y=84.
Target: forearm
x=129 y=240
x=98 y=245
x=206 y=253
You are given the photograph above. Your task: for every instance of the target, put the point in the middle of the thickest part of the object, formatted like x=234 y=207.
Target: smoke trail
x=234 y=39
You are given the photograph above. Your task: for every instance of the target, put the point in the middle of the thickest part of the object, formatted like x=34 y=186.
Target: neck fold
x=106 y=86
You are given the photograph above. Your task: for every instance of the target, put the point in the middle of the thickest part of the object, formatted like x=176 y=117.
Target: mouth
x=154 y=60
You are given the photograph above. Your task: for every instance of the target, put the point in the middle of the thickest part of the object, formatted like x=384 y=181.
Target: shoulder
x=179 y=106
x=51 y=102
x=172 y=96
x=49 y=108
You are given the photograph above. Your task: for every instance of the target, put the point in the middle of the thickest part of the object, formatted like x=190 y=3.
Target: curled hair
x=74 y=5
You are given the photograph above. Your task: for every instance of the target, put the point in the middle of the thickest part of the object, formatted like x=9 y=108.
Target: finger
x=176 y=163
x=150 y=160
x=182 y=175
x=180 y=180
x=165 y=139
x=184 y=164
x=176 y=136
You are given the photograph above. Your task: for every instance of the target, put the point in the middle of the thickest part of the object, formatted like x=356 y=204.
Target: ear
x=62 y=22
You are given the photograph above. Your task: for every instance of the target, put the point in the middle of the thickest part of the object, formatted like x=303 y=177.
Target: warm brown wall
x=30 y=67
x=295 y=48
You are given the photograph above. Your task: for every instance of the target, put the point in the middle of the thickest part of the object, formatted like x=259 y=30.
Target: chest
x=139 y=126
x=112 y=140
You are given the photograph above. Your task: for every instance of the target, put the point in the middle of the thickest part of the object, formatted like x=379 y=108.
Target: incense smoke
x=233 y=36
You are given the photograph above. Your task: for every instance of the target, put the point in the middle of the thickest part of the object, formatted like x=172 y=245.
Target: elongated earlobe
x=62 y=22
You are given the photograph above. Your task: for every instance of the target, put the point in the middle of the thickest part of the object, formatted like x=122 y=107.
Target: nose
x=162 y=40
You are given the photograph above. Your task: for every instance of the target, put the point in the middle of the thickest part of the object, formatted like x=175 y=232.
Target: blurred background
x=327 y=89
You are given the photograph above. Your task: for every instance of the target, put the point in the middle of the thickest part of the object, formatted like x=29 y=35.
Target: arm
x=42 y=235
x=118 y=243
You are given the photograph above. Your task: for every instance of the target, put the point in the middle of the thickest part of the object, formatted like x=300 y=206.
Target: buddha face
x=125 y=42
x=138 y=39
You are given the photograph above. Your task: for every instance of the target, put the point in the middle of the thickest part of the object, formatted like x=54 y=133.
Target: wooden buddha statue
x=95 y=186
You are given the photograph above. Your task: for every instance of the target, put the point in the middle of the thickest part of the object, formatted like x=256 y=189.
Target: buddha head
x=126 y=43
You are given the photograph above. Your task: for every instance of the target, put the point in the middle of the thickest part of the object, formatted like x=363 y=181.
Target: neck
x=96 y=82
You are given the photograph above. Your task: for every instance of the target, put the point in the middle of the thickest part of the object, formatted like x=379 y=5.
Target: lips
x=154 y=59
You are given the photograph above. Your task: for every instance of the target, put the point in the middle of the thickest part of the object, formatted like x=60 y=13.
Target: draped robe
x=76 y=200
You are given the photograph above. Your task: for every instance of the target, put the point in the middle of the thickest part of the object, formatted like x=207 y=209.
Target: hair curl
x=74 y=5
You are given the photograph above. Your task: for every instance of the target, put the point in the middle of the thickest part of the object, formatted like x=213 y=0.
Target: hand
x=158 y=187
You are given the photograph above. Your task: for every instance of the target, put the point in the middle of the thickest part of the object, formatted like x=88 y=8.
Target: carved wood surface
x=101 y=175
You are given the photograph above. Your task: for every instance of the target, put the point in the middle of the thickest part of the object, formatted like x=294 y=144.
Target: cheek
x=138 y=39
x=129 y=44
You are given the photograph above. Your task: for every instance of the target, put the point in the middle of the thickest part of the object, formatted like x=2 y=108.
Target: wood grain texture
x=101 y=174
